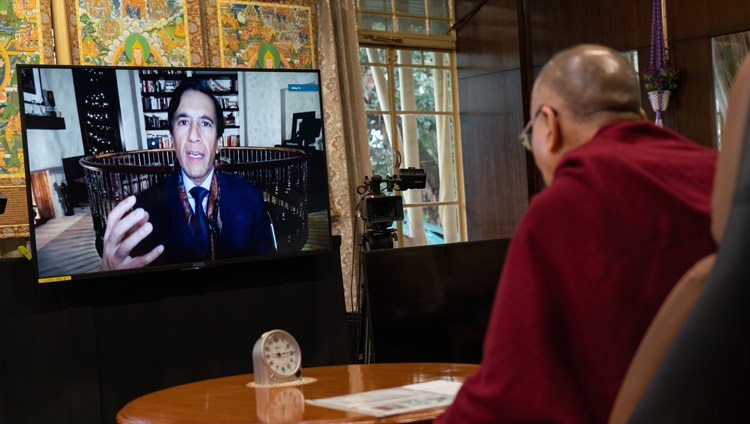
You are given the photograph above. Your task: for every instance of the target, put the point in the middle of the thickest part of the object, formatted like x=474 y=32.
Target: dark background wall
x=507 y=41
x=76 y=352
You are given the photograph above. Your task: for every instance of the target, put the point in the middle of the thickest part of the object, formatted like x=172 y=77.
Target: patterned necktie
x=198 y=222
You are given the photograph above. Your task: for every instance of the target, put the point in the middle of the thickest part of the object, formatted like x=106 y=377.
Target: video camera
x=379 y=210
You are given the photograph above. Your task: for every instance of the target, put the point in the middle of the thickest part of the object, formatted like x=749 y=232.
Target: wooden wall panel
x=544 y=28
x=555 y=25
x=489 y=42
x=496 y=178
x=494 y=161
x=619 y=24
x=694 y=97
x=700 y=18
x=489 y=86
x=627 y=25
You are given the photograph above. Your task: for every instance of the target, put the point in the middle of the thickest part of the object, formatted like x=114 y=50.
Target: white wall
x=46 y=148
x=261 y=95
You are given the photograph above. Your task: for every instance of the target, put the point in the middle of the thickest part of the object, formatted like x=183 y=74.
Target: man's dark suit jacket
x=245 y=230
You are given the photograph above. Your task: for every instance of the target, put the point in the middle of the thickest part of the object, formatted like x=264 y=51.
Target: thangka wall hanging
x=252 y=34
x=136 y=32
x=25 y=37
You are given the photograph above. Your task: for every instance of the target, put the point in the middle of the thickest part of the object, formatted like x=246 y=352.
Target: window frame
x=391 y=43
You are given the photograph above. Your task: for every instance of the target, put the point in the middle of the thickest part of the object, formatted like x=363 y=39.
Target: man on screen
x=196 y=214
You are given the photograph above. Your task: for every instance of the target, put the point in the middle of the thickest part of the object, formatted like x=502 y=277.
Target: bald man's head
x=591 y=81
x=580 y=90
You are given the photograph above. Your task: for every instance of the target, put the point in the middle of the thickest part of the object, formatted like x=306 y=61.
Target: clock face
x=281 y=353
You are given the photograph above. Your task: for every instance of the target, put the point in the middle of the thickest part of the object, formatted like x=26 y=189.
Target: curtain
x=345 y=128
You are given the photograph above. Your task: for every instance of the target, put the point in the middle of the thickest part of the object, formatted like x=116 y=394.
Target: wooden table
x=229 y=400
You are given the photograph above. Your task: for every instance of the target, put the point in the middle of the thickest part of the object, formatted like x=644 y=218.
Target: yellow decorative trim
x=63 y=49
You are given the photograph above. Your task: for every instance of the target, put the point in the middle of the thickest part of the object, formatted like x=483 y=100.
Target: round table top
x=230 y=400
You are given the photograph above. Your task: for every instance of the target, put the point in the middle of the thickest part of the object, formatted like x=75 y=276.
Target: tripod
x=373 y=239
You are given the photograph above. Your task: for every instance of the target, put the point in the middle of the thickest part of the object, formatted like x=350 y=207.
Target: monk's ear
x=552 y=132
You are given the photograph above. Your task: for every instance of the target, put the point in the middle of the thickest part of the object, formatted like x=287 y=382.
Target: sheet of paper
x=437 y=386
x=397 y=400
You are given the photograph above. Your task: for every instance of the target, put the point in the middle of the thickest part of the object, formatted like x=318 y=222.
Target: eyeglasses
x=525 y=135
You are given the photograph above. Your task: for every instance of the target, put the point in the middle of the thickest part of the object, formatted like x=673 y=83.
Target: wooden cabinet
x=157 y=87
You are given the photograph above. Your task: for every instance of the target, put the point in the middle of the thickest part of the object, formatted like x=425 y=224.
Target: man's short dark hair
x=195 y=84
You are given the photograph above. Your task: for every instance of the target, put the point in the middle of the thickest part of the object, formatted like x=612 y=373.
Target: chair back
x=693 y=364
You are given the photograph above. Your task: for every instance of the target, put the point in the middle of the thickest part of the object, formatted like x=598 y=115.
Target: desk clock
x=276 y=358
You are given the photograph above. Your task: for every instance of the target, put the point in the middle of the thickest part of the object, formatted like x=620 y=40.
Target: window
x=417 y=22
x=407 y=57
x=728 y=52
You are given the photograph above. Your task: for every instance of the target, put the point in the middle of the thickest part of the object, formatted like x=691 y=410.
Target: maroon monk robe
x=591 y=262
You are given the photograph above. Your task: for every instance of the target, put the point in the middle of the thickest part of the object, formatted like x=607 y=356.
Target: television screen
x=119 y=158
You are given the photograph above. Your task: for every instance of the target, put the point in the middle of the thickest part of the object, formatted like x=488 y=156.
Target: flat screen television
x=95 y=136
